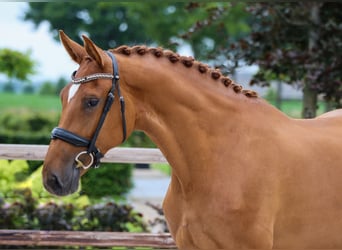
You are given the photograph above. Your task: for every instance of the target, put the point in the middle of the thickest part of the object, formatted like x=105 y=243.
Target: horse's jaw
x=61 y=184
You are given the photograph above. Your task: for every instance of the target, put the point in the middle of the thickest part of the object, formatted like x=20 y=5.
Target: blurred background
x=290 y=53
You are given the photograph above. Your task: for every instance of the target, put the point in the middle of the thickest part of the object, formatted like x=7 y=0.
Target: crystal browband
x=91 y=78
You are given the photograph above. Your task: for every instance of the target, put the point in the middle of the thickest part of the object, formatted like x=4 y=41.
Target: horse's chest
x=194 y=221
x=186 y=225
x=201 y=220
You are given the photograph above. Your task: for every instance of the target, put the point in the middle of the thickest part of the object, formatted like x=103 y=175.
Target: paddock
x=82 y=238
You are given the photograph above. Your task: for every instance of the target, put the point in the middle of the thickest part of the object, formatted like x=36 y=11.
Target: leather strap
x=79 y=141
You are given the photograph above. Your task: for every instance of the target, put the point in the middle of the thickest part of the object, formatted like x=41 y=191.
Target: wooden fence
x=117 y=155
x=79 y=238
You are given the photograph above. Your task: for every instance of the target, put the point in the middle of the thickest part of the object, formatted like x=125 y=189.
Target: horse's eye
x=92 y=102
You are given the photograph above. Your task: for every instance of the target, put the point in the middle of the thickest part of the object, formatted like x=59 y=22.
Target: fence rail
x=117 y=155
x=81 y=238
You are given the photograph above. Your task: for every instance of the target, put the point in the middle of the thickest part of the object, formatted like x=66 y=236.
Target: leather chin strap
x=92 y=151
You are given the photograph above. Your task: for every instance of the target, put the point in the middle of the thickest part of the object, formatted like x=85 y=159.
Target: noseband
x=92 y=151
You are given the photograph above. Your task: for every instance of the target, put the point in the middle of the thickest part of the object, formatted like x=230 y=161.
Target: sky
x=53 y=61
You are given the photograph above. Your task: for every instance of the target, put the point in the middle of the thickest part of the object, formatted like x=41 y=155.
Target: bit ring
x=80 y=164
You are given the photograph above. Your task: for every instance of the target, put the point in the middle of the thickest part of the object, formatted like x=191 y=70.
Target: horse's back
x=311 y=204
x=337 y=113
x=329 y=123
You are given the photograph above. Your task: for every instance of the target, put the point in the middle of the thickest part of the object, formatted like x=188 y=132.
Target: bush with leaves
x=25 y=212
x=109 y=179
x=26 y=128
x=11 y=173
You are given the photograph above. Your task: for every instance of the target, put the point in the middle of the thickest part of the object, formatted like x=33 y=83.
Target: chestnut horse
x=244 y=175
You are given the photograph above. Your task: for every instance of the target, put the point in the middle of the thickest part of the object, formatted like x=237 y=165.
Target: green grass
x=293 y=108
x=162 y=167
x=29 y=102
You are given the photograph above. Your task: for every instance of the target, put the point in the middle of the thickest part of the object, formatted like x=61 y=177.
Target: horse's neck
x=186 y=113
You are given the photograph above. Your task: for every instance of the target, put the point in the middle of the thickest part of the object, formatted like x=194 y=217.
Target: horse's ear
x=93 y=51
x=76 y=51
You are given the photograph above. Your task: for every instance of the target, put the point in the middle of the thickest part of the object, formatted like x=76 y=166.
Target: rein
x=92 y=151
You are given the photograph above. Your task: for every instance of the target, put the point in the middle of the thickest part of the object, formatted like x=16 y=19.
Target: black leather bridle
x=92 y=151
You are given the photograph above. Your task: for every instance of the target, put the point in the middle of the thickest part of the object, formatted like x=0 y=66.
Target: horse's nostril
x=54 y=183
x=57 y=181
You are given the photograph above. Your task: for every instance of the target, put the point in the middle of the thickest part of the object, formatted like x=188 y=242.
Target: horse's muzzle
x=55 y=184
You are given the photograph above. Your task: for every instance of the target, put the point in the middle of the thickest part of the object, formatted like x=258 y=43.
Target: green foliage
x=212 y=26
x=271 y=95
x=295 y=42
x=284 y=43
x=26 y=212
x=12 y=172
x=30 y=122
x=107 y=22
x=25 y=204
x=28 y=89
x=111 y=217
x=52 y=88
x=109 y=179
x=161 y=21
x=47 y=88
x=162 y=167
x=165 y=23
x=139 y=139
x=15 y=64
x=16 y=175
x=8 y=87
x=26 y=128
x=60 y=84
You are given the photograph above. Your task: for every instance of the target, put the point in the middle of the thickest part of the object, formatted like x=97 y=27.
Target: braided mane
x=187 y=62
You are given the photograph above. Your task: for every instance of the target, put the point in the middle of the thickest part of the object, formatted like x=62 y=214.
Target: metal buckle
x=80 y=164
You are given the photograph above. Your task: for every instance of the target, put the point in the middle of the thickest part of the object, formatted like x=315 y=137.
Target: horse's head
x=86 y=131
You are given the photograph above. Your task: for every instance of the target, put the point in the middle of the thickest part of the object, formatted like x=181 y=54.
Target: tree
x=177 y=22
x=47 y=88
x=153 y=23
x=61 y=83
x=212 y=26
x=15 y=64
x=109 y=24
x=297 y=43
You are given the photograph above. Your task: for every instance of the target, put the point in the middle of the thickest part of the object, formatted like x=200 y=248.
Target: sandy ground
x=149 y=189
